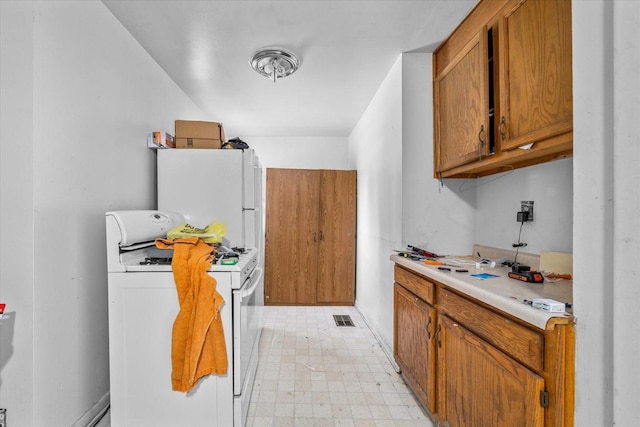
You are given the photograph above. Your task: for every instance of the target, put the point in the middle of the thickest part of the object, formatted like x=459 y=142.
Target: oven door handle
x=255 y=281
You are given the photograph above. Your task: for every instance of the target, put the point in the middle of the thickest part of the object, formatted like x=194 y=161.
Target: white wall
x=593 y=233
x=606 y=62
x=301 y=153
x=375 y=150
x=438 y=217
x=78 y=96
x=626 y=193
x=16 y=210
x=447 y=217
x=549 y=185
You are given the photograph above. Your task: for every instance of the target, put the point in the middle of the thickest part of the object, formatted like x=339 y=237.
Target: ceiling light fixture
x=274 y=62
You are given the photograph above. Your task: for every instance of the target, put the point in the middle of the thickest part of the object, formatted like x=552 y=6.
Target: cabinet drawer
x=419 y=286
x=519 y=342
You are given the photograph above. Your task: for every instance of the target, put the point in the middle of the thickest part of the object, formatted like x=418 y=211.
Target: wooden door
x=461 y=107
x=478 y=385
x=414 y=349
x=536 y=74
x=337 y=237
x=291 y=250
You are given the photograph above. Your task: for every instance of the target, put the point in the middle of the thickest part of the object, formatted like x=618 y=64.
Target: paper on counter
x=484 y=276
x=556 y=262
x=526 y=146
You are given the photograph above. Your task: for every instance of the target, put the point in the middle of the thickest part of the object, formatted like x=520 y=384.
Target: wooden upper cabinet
x=461 y=99
x=503 y=80
x=535 y=78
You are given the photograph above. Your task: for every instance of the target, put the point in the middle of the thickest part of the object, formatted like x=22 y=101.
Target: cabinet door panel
x=337 y=237
x=291 y=236
x=413 y=346
x=520 y=342
x=461 y=106
x=536 y=78
x=481 y=386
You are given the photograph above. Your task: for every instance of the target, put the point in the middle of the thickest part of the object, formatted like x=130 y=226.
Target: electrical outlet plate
x=527 y=206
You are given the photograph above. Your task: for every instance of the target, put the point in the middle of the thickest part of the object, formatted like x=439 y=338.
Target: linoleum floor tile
x=314 y=373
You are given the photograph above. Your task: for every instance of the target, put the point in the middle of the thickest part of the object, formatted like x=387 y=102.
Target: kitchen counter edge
x=502 y=293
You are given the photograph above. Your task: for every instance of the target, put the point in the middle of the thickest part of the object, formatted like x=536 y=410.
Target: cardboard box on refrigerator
x=194 y=134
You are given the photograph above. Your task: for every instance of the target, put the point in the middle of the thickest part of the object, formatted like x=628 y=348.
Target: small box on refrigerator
x=160 y=139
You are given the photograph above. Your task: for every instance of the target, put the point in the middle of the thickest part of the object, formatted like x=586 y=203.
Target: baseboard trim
x=95 y=413
x=385 y=348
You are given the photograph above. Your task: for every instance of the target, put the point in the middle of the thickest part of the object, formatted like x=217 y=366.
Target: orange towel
x=197 y=344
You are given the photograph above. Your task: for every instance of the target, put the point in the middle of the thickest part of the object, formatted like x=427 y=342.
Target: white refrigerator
x=207 y=185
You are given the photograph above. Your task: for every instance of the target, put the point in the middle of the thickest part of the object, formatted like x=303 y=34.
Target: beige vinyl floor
x=314 y=373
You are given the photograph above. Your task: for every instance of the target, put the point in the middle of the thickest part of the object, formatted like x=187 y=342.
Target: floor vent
x=343 y=320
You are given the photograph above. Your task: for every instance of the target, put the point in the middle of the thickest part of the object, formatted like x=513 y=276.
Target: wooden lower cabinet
x=413 y=344
x=481 y=386
x=473 y=365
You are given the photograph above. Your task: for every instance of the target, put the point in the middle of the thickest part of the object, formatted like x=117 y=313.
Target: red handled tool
x=423 y=252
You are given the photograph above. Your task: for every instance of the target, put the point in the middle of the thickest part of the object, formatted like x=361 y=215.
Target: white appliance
x=214 y=185
x=143 y=305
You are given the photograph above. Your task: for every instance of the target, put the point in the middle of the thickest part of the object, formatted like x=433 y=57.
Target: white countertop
x=501 y=292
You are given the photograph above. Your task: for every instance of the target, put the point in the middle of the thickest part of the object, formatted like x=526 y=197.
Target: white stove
x=131 y=244
x=153 y=259
x=143 y=304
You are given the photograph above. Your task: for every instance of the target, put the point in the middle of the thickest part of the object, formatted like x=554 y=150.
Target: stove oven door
x=246 y=332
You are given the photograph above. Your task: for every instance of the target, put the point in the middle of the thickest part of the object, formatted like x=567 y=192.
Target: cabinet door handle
x=501 y=127
x=481 y=141
x=438 y=333
x=314 y=237
x=428 y=327
x=321 y=235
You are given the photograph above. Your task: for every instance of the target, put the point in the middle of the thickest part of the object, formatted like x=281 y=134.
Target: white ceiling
x=346 y=47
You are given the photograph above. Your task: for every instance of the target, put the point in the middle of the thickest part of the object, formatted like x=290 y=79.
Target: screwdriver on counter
x=423 y=252
x=440 y=263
